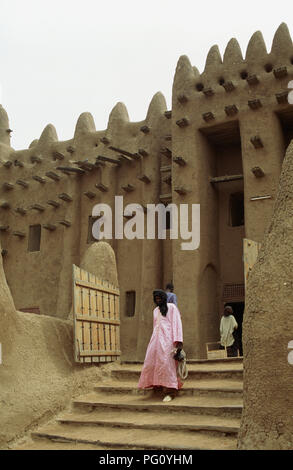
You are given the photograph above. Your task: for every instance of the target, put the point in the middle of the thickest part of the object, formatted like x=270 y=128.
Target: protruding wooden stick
x=65 y=197
x=165 y=151
x=182 y=99
x=254 y=104
x=64 y=222
x=18 y=234
x=256 y=142
x=143 y=152
x=7 y=164
x=180 y=190
x=100 y=158
x=4 y=205
x=50 y=227
x=231 y=110
x=134 y=156
x=208 y=116
x=89 y=194
x=53 y=203
x=145 y=129
x=8 y=186
x=52 y=175
x=252 y=79
x=282 y=98
x=105 y=140
x=4 y=228
x=102 y=187
x=258 y=172
x=180 y=161
x=20 y=210
x=40 y=179
x=36 y=159
x=58 y=155
x=208 y=91
x=69 y=169
x=70 y=149
x=37 y=207
x=22 y=183
x=128 y=188
x=18 y=163
x=144 y=178
x=182 y=122
x=229 y=86
x=168 y=114
x=281 y=72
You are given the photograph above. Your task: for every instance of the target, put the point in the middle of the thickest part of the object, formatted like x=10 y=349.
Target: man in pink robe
x=160 y=367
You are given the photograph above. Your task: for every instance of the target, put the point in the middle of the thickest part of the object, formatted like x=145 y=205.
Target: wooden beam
x=100 y=158
x=208 y=92
x=258 y=172
x=182 y=122
x=180 y=190
x=281 y=72
x=209 y=116
x=37 y=207
x=20 y=210
x=226 y=178
x=4 y=205
x=134 y=156
x=52 y=175
x=8 y=186
x=102 y=187
x=50 y=227
x=58 y=155
x=89 y=194
x=18 y=234
x=36 y=159
x=65 y=197
x=180 y=161
x=40 y=179
x=4 y=228
x=256 y=142
x=145 y=129
x=64 y=222
x=53 y=203
x=70 y=169
x=168 y=114
x=231 y=110
x=144 y=178
x=22 y=183
x=128 y=188
x=252 y=79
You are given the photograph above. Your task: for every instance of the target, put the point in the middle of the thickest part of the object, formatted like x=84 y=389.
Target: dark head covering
x=163 y=303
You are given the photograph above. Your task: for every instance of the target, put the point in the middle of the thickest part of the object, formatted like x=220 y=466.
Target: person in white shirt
x=227 y=327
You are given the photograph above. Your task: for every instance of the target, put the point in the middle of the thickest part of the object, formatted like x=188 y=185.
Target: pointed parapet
x=232 y=54
x=157 y=108
x=85 y=123
x=282 y=43
x=118 y=115
x=213 y=66
x=48 y=136
x=184 y=80
x=256 y=52
x=4 y=127
x=34 y=143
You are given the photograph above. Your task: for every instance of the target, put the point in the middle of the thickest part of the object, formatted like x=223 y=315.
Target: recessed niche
x=199 y=86
x=268 y=68
x=243 y=75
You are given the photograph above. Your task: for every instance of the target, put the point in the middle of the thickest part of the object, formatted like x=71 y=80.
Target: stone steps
x=195 y=405
x=153 y=421
x=223 y=388
x=129 y=438
x=117 y=415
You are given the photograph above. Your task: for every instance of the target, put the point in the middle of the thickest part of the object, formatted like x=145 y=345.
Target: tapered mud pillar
x=267 y=421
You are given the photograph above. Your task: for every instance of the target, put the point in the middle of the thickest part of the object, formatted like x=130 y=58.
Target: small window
x=34 y=239
x=236 y=210
x=90 y=237
x=130 y=303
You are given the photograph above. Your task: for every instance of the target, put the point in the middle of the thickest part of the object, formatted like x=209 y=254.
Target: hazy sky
x=59 y=58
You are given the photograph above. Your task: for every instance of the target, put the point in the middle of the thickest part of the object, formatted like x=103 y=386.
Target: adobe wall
x=213 y=119
x=267 y=329
x=234 y=100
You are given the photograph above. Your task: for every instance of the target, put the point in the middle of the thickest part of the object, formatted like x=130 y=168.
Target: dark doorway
x=238 y=310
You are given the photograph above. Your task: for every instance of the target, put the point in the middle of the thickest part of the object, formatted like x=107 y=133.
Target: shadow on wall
x=38 y=376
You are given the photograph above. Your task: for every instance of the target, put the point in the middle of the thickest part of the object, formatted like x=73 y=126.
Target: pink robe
x=160 y=368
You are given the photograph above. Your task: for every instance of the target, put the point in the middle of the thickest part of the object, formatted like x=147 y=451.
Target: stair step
x=134 y=438
x=208 y=387
x=194 y=373
x=159 y=421
x=196 y=405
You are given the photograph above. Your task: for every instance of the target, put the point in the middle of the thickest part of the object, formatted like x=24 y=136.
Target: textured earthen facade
x=221 y=146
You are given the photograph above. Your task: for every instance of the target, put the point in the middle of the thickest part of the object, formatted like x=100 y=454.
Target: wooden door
x=96 y=318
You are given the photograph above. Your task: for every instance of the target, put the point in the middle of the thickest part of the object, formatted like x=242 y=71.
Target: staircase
x=116 y=415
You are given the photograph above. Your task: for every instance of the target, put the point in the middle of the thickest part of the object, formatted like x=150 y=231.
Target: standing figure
x=227 y=327
x=171 y=297
x=160 y=367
